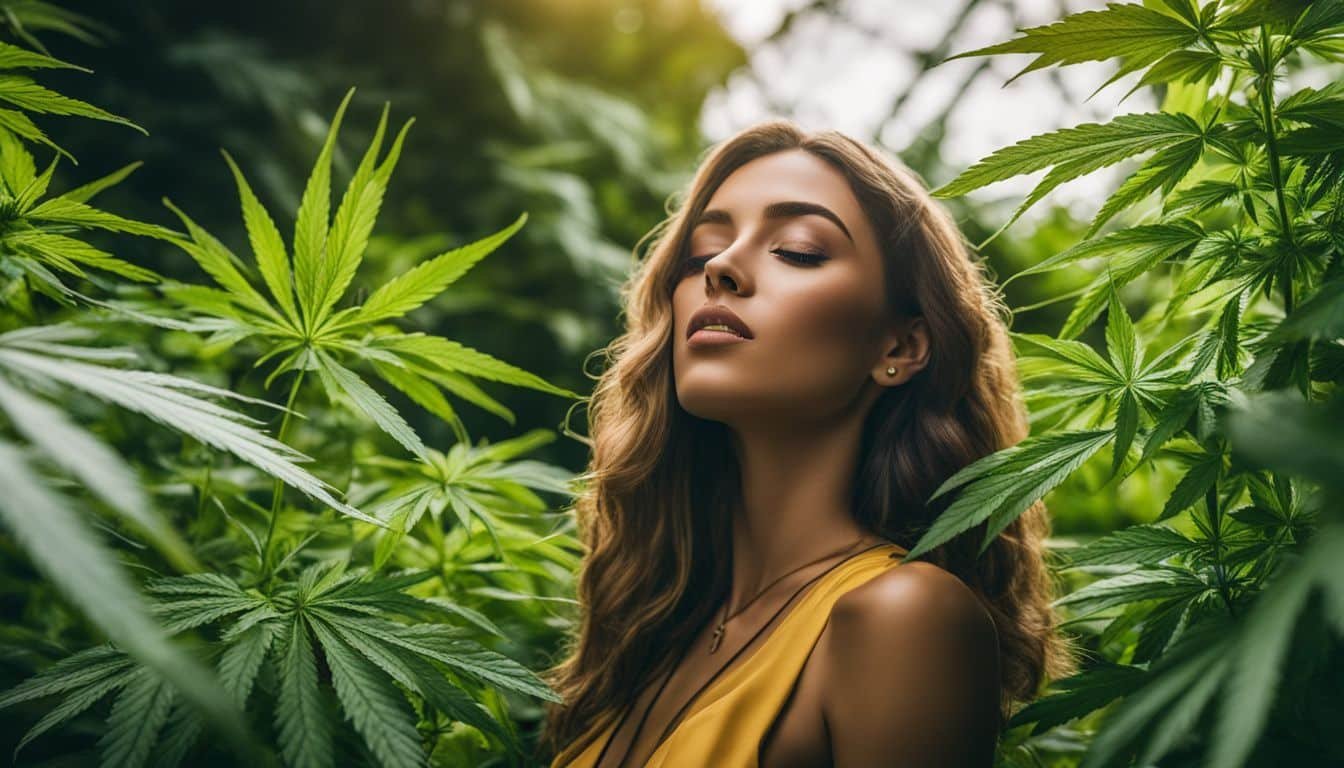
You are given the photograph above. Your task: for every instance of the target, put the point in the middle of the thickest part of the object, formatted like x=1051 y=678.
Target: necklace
x=717 y=672
x=718 y=630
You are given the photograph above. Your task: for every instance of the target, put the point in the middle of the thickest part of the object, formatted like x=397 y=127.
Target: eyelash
x=798 y=257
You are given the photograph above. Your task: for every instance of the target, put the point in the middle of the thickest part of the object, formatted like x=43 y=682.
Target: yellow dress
x=724 y=726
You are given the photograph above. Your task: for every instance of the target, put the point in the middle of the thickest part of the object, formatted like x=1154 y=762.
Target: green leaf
x=1137 y=544
x=1081 y=359
x=17 y=166
x=1123 y=137
x=1130 y=30
x=66 y=211
x=1128 y=251
x=137 y=717
x=1126 y=425
x=165 y=399
x=1198 y=197
x=1079 y=695
x=428 y=279
x=304 y=729
x=436 y=641
x=14 y=57
x=23 y=93
x=1170 y=680
x=239 y=664
x=339 y=380
x=97 y=466
x=379 y=712
x=86 y=192
x=1021 y=474
x=1320 y=316
x=180 y=734
x=417 y=674
x=1162 y=171
x=1318 y=20
x=1261 y=647
x=355 y=218
x=424 y=393
x=65 y=253
x=1121 y=343
x=1073 y=152
x=77 y=702
x=21 y=125
x=81 y=670
x=1180 y=66
x=1132 y=587
x=310 y=229
x=454 y=357
x=218 y=262
x=1197 y=480
x=267 y=246
x=35 y=188
x=65 y=550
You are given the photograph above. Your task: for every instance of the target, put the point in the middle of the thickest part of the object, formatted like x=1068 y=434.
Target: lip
x=712 y=314
x=703 y=338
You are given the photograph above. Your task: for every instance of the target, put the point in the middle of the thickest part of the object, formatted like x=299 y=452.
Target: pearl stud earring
x=891 y=371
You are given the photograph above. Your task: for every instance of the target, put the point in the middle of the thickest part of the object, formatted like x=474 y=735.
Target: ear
x=907 y=352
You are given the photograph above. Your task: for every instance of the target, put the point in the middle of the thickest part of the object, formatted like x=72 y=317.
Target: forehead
x=793 y=175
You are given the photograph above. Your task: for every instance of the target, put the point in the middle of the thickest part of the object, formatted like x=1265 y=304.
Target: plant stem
x=1216 y=526
x=1265 y=86
x=278 y=489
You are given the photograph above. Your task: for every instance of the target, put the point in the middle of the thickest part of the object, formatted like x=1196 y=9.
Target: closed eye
x=798 y=257
x=801 y=257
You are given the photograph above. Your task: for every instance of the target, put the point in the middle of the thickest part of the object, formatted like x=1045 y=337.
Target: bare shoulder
x=911 y=662
x=916 y=595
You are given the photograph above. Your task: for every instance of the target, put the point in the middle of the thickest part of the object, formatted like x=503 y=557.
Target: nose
x=718 y=271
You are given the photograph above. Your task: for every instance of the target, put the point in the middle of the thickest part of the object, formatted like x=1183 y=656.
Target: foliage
x=277 y=597
x=1216 y=628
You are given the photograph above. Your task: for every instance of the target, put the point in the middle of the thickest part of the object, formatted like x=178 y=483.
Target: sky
x=846 y=73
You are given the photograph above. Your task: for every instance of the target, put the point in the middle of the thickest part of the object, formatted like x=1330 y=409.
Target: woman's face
x=808 y=286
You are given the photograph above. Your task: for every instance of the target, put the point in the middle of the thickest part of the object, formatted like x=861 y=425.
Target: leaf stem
x=278 y=489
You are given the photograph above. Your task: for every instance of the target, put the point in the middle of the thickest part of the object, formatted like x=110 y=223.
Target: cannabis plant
x=289 y=616
x=1210 y=639
x=39 y=363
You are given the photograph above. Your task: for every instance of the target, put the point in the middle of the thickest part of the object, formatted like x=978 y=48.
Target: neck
x=795 y=507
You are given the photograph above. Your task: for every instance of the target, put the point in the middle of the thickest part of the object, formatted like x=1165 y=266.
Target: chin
x=718 y=403
x=714 y=406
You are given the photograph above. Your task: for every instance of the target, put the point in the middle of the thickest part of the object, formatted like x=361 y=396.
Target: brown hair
x=657 y=559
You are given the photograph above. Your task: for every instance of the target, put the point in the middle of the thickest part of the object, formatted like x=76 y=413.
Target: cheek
x=826 y=324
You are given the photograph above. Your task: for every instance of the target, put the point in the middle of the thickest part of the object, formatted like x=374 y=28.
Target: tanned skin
x=906 y=671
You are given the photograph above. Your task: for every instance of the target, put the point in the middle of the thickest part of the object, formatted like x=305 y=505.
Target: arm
x=913 y=675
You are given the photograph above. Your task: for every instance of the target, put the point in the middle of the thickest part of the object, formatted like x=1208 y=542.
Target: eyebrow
x=782 y=210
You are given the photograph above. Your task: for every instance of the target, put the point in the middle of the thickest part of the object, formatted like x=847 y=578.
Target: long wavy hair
x=657 y=499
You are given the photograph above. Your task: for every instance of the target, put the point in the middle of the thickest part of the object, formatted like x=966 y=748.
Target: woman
x=810 y=353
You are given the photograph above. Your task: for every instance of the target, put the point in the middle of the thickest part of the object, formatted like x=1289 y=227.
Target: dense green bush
x=1216 y=628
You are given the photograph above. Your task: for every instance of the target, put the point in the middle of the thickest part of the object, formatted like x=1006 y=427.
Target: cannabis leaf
x=26 y=94
x=300 y=324
x=35 y=234
x=473 y=481
x=377 y=667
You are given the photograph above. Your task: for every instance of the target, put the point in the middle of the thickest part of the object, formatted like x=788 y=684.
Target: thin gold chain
x=719 y=629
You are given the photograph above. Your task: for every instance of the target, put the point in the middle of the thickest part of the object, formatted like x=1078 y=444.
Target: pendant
x=718 y=635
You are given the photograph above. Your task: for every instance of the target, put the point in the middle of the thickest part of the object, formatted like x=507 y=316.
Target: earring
x=891 y=371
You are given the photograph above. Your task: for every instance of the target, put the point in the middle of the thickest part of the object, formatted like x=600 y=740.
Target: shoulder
x=916 y=597
x=911 y=661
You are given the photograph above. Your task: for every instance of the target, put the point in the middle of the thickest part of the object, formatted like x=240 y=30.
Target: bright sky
x=847 y=74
